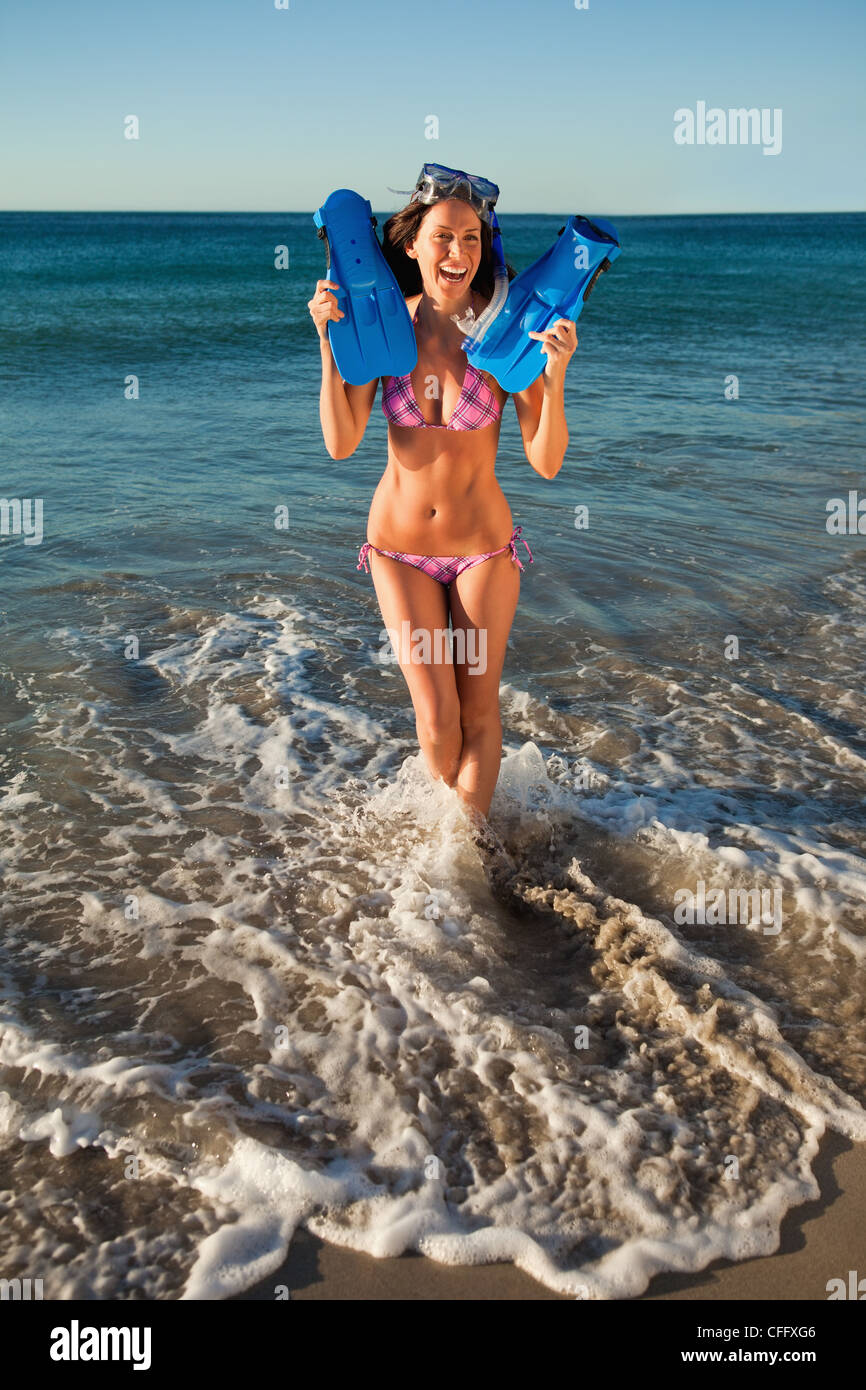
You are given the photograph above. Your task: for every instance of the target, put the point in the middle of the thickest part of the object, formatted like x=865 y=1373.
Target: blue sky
x=246 y=107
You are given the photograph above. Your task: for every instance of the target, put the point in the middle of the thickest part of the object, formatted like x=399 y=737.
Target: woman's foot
x=482 y=832
x=499 y=868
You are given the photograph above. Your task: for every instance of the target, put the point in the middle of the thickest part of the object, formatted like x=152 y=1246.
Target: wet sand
x=820 y=1240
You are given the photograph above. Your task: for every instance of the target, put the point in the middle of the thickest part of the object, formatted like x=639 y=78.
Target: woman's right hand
x=323 y=306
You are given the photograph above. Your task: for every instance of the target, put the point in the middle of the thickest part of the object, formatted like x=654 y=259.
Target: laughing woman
x=441 y=542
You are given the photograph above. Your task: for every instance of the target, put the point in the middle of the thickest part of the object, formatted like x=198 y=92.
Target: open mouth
x=454 y=277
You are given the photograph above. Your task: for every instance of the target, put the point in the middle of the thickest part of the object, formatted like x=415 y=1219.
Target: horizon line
x=282 y=212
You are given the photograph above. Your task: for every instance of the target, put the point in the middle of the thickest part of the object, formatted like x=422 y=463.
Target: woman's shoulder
x=492 y=385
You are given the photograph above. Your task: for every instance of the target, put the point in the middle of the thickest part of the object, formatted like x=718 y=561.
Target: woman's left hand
x=558 y=344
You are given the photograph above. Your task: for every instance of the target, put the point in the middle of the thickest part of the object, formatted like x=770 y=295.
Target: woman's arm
x=343 y=409
x=541 y=407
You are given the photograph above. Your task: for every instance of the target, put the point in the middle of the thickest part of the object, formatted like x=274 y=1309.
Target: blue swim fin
x=555 y=287
x=376 y=338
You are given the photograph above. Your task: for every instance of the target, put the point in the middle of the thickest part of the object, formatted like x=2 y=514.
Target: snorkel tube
x=476 y=328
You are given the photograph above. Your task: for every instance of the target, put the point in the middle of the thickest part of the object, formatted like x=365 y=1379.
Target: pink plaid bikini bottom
x=446 y=568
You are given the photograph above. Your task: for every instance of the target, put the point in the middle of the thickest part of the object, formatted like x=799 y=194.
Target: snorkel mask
x=436 y=182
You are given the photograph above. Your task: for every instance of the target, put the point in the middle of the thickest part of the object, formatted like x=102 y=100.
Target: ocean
x=252 y=973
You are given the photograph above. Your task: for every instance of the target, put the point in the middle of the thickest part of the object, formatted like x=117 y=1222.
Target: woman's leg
x=409 y=596
x=483 y=603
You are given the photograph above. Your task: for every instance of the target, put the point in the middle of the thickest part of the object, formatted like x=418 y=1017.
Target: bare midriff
x=439 y=494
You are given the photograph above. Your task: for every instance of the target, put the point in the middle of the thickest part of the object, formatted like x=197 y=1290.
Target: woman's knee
x=481 y=722
x=438 y=721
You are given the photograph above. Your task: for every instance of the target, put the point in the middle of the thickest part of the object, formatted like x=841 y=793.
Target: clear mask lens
x=438 y=181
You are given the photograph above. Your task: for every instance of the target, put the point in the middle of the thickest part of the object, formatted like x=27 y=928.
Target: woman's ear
x=409 y=248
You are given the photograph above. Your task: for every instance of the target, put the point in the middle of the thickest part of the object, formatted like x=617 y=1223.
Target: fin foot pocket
x=376 y=337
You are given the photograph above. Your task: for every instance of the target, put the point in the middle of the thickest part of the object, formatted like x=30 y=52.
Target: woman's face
x=447 y=247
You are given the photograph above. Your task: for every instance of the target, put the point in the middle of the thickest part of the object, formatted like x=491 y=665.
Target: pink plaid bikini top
x=476 y=407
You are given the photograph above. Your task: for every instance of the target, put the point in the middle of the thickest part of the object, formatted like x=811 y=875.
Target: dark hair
x=404 y=225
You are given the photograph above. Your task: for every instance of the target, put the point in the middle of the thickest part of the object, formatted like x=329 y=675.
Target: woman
x=440 y=537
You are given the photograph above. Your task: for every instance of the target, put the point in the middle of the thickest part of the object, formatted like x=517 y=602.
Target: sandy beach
x=820 y=1240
